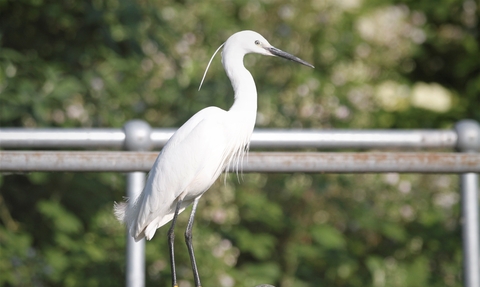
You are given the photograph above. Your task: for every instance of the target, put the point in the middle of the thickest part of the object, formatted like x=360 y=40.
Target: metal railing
x=138 y=137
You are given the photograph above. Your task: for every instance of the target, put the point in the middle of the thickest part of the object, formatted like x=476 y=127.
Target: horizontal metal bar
x=354 y=138
x=61 y=138
x=284 y=162
x=114 y=138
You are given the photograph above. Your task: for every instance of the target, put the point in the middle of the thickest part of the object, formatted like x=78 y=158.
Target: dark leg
x=171 y=237
x=188 y=240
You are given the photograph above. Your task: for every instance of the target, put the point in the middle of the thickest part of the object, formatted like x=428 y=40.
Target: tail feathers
x=139 y=236
x=144 y=226
x=127 y=215
x=120 y=209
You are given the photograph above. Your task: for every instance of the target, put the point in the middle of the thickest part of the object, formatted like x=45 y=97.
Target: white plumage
x=201 y=148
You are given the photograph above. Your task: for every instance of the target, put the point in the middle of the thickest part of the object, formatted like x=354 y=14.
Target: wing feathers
x=189 y=163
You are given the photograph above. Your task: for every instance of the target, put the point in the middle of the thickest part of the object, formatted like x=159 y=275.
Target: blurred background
x=390 y=64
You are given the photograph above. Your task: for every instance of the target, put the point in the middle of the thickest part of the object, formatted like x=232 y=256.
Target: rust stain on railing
x=313 y=162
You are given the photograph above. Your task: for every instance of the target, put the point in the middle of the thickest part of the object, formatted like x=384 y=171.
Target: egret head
x=245 y=42
x=248 y=42
x=252 y=42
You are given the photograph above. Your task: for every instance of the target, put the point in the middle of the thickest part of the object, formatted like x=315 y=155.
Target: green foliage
x=379 y=64
x=328 y=237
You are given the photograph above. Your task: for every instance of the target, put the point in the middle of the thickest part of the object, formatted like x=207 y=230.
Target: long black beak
x=280 y=53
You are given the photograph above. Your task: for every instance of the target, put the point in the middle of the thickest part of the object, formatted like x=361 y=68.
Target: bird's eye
x=257 y=42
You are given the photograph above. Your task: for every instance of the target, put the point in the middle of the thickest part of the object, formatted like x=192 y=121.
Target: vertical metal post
x=469 y=186
x=135 y=267
x=137 y=138
x=468 y=132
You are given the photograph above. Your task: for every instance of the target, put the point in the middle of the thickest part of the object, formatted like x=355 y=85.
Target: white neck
x=242 y=83
x=243 y=113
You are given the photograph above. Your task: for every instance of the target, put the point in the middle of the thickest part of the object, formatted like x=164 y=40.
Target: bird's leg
x=171 y=237
x=188 y=240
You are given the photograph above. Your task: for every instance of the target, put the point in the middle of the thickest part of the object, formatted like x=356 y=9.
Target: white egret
x=199 y=151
